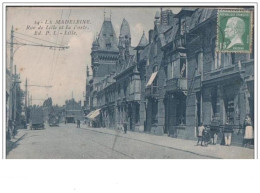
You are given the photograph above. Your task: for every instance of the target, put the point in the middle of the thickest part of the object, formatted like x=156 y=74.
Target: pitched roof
x=201 y=15
x=143 y=42
x=107 y=39
x=125 y=29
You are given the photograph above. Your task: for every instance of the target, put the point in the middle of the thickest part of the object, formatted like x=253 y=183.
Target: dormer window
x=108 y=45
x=183 y=27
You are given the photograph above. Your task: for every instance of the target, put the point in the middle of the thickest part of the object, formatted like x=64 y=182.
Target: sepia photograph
x=129 y=82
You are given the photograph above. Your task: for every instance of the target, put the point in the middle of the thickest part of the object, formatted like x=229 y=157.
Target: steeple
x=124 y=42
x=143 y=42
x=107 y=39
x=125 y=29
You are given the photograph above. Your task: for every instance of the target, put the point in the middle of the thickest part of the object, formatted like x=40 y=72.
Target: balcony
x=223 y=74
x=180 y=42
x=176 y=84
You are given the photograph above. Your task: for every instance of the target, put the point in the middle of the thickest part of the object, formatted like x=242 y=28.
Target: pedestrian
x=200 y=131
x=249 y=132
x=214 y=130
x=78 y=123
x=206 y=137
x=125 y=128
x=228 y=130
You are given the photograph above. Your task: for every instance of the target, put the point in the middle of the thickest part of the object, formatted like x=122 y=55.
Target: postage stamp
x=234 y=31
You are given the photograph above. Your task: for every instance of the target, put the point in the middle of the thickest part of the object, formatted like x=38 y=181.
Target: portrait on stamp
x=234 y=31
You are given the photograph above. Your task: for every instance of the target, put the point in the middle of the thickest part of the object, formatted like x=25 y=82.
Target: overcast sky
x=66 y=70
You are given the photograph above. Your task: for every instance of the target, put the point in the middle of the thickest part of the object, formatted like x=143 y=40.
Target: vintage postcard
x=141 y=82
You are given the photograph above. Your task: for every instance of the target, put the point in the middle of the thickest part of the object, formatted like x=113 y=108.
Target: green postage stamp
x=234 y=31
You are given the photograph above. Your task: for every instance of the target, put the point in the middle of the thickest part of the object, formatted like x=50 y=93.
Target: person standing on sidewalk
x=200 y=132
x=125 y=128
x=205 y=137
x=214 y=130
x=78 y=123
x=249 y=132
x=228 y=130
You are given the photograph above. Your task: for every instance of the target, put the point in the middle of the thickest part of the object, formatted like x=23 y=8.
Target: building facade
x=173 y=81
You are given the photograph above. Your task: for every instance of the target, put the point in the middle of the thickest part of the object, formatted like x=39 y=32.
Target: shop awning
x=149 y=83
x=88 y=115
x=93 y=114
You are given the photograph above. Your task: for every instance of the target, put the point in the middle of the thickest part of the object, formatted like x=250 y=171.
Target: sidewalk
x=211 y=151
x=13 y=142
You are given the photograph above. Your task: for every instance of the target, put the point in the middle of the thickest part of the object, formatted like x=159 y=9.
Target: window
x=215 y=55
x=226 y=59
x=183 y=68
x=169 y=70
x=155 y=49
x=137 y=113
x=199 y=59
x=181 y=110
x=148 y=62
x=233 y=58
x=108 y=45
x=125 y=88
x=219 y=59
x=183 y=27
x=214 y=96
x=154 y=111
x=155 y=68
x=131 y=86
x=119 y=90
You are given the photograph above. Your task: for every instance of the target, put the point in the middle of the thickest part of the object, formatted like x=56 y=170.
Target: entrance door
x=229 y=108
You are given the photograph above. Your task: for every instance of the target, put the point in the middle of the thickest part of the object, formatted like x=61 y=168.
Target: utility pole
x=25 y=95
x=25 y=102
x=31 y=100
x=12 y=43
x=15 y=92
x=11 y=75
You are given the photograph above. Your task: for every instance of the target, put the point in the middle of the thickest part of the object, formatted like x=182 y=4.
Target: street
x=69 y=142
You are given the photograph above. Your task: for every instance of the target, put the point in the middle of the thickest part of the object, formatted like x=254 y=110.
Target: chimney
x=150 y=35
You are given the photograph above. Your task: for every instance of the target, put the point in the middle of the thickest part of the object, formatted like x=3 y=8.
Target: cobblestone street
x=67 y=141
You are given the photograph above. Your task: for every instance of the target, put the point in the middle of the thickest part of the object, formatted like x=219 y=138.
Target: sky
x=65 y=70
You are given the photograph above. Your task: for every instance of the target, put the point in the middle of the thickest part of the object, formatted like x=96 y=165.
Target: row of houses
x=172 y=81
